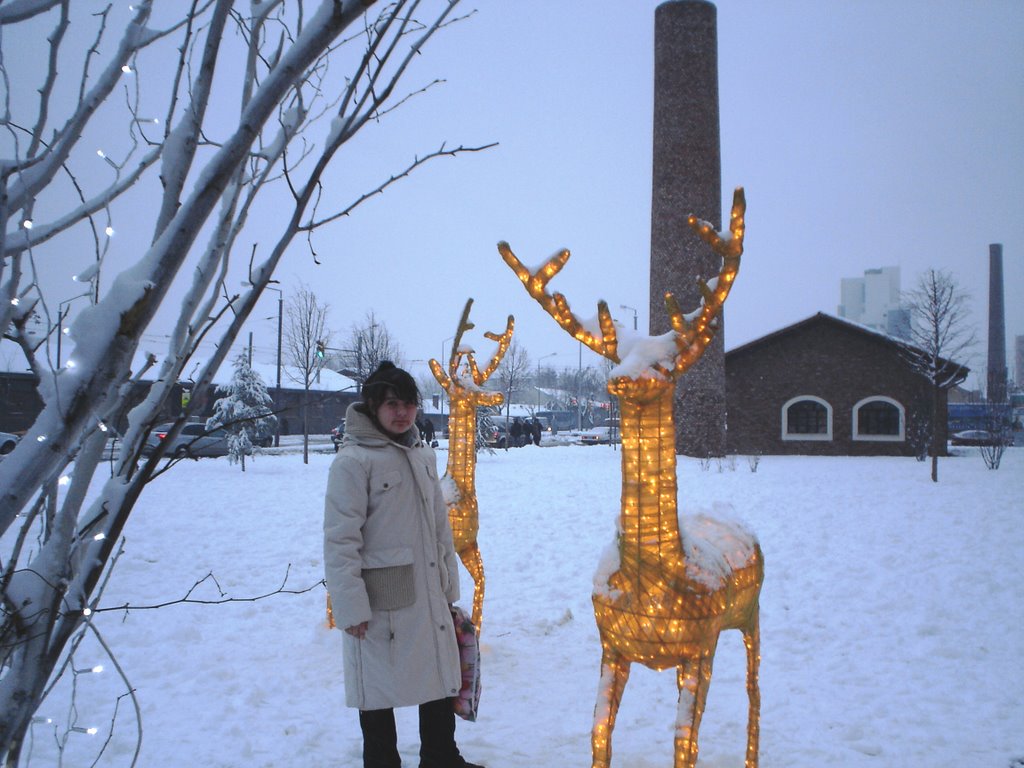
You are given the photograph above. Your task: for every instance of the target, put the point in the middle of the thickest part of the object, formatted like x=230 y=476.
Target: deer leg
x=614 y=674
x=470 y=557
x=693 y=677
x=752 y=641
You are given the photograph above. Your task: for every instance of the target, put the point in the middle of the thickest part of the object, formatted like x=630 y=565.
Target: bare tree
x=512 y=372
x=939 y=333
x=369 y=344
x=583 y=387
x=147 y=83
x=306 y=342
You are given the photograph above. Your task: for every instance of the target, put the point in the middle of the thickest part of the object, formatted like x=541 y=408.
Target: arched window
x=806 y=418
x=879 y=418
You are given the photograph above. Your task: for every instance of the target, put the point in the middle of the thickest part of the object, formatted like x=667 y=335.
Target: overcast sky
x=867 y=134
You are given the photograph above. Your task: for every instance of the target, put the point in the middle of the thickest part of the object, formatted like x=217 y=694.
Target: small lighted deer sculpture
x=664 y=594
x=464 y=384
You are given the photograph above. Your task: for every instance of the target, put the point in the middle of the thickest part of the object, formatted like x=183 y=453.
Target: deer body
x=463 y=512
x=462 y=383
x=671 y=591
x=657 y=608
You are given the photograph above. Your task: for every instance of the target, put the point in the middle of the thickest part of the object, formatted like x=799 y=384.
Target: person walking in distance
x=516 y=430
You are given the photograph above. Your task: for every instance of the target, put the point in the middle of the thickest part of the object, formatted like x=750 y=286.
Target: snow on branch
x=191 y=185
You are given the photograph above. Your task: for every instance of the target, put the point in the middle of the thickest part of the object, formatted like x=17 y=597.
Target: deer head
x=691 y=333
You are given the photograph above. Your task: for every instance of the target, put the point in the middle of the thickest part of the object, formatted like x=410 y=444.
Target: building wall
x=881 y=293
x=851 y=298
x=826 y=359
x=19 y=402
x=20 y=405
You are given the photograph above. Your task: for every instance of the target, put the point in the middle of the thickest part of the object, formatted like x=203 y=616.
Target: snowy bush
x=245 y=411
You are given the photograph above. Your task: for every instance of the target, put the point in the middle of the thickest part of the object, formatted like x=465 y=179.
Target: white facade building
x=874 y=301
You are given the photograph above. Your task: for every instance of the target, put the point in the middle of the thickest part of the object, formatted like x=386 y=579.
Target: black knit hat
x=389 y=376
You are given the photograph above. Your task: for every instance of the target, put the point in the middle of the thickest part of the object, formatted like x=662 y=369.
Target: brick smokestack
x=687 y=179
x=996 y=392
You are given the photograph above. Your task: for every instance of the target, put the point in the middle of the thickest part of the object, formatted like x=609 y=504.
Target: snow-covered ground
x=892 y=620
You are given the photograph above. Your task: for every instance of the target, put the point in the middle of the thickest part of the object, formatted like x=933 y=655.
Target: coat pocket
x=389 y=577
x=386 y=481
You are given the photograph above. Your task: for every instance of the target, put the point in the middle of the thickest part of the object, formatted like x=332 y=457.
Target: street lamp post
x=280 y=317
x=624 y=306
x=444 y=366
x=579 y=392
x=542 y=357
x=277 y=393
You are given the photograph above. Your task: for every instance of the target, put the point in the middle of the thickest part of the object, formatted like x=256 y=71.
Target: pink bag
x=466 y=703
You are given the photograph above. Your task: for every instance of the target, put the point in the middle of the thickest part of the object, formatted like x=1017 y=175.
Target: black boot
x=437 y=737
x=380 y=740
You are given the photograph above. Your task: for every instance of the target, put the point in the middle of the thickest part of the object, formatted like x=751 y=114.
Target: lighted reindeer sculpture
x=464 y=384
x=664 y=594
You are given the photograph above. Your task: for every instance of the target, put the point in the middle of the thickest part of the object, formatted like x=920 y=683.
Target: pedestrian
x=392 y=576
x=516 y=430
x=427 y=432
x=536 y=430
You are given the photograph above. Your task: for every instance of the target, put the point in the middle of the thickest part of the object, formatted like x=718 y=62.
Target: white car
x=599 y=436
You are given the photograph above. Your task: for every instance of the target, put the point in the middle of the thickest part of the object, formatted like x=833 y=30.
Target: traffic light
x=320 y=349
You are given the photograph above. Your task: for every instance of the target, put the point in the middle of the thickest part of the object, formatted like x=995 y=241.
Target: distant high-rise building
x=874 y=301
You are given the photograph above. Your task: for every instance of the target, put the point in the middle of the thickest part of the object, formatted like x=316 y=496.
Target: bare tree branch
x=416 y=163
x=59 y=556
x=223 y=599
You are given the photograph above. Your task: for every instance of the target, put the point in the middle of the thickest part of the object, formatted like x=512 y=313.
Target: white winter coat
x=389 y=560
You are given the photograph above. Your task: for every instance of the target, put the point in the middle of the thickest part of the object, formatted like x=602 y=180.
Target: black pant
x=437 y=737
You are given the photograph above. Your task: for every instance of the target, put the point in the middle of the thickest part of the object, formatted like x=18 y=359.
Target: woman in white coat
x=392 y=575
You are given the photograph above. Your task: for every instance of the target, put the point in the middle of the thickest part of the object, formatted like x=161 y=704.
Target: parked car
x=7 y=442
x=337 y=435
x=980 y=437
x=192 y=442
x=495 y=434
x=599 y=436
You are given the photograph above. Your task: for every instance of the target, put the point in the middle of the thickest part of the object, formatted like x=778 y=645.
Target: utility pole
x=277 y=392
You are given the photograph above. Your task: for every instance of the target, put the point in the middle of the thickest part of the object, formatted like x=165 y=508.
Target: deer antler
x=503 y=340
x=453 y=361
x=696 y=331
x=557 y=305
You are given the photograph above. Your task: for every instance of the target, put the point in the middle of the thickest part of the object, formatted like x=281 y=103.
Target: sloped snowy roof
x=822 y=317
x=291 y=377
x=12 y=361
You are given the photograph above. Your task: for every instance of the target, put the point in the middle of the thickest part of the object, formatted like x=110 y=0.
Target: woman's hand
x=359 y=630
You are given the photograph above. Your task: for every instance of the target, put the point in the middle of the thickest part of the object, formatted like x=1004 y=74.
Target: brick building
x=826 y=386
